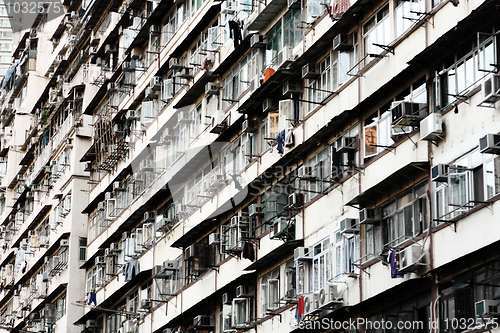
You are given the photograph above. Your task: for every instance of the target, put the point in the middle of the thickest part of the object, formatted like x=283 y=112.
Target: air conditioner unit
x=118 y=186
x=114 y=247
x=327 y=295
x=109 y=49
x=242 y=291
x=278 y=227
x=369 y=215
x=256 y=209
x=490 y=144
x=270 y=104
x=184 y=117
x=342 y=42
x=249 y=126
x=226 y=299
x=439 y=173
x=155 y=83
x=91 y=323
x=491 y=88
x=100 y=261
x=309 y=71
x=128 y=66
x=154 y=30
x=201 y=321
x=133 y=114
x=406 y=113
x=302 y=253
x=349 y=226
x=285 y=57
x=171 y=265
x=218 y=122
x=175 y=63
x=307 y=173
x=410 y=258
x=158 y=272
x=189 y=252
x=164 y=224
x=211 y=88
x=487 y=307
x=64 y=243
x=228 y=7
x=289 y=88
x=146 y=304
x=258 y=41
x=129 y=327
x=431 y=127
x=213 y=238
x=310 y=303
x=149 y=216
x=346 y=143
x=296 y=199
x=136 y=53
x=185 y=73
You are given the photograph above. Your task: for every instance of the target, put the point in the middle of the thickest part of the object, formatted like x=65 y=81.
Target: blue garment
x=280 y=139
x=93 y=298
x=395 y=273
x=132 y=269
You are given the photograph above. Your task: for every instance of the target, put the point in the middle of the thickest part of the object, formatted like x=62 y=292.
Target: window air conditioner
x=211 y=88
x=256 y=209
x=309 y=71
x=128 y=66
x=201 y=321
x=307 y=173
x=369 y=215
x=249 y=126
x=301 y=253
x=439 y=173
x=184 y=117
x=349 y=226
x=342 y=42
x=257 y=41
x=242 y=291
x=228 y=7
x=487 y=307
x=64 y=243
x=431 y=127
x=158 y=272
x=490 y=144
x=155 y=83
x=410 y=258
x=146 y=304
x=164 y=224
x=100 y=261
x=491 y=88
x=171 y=265
x=213 y=238
x=91 y=323
x=189 y=252
x=406 y=113
x=285 y=57
x=175 y=63
x=270 y=104
x=278 y=227
x=345 y=144
x=293 y=4
x=149 y=216
x=118 y=186
x=111 y=87
x=217 y=122
x=109 y=49
x=296 y=199
x=289 y=88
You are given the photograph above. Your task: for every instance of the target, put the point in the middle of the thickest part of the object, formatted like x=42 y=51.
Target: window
x=320 y=88
x=170 y=285
x=320 y=166
x=269 y=291
x=61 y=306
x=274 y=44
x=313 y=274
x=406 y=216
x=345 y=157
x=406 y=14
x=343 y=62
x=376 y=30
x=292 y=33
x=346 y=253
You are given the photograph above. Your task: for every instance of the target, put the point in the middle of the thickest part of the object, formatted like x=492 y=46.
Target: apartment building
x=6 y=39
x=257 y=166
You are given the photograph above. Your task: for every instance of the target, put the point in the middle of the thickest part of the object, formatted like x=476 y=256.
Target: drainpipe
x=360 y=131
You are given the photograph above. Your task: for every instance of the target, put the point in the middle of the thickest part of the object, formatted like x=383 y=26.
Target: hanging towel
x=395 y=273
x=300 y=309
x=280 y=139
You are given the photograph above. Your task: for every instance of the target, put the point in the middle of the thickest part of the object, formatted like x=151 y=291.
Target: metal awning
x=411 y=172
x=283 y=250
x=268 y=14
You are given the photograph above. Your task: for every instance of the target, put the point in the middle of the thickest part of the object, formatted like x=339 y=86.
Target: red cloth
x=268 y=73
x=300 y=306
